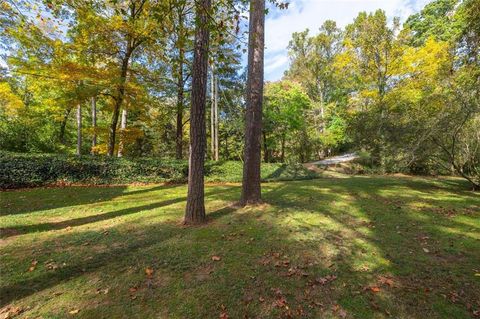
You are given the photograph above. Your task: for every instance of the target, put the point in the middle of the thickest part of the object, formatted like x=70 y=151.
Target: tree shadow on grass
x=42 y=227
x=367 y=222
x=398 y=236
x=131 y=245
x=25 y=229
x=26 y=287
x=40 y=199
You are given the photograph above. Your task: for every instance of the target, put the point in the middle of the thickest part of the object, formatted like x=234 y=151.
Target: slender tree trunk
x=195 y=210
x=63 y=125
x=282 y=154
x=227 y=152
x=180 y=88
x=79 y=129
x=123 y=127
x=216 y=119
x=94 y=124
x=251 y=189
x=212 y=113
x=180 y=106
x=265 y=147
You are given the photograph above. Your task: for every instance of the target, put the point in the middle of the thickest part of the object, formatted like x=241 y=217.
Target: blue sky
x=310 y=14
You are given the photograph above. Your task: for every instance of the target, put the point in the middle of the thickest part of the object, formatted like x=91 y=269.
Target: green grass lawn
x=337 y=247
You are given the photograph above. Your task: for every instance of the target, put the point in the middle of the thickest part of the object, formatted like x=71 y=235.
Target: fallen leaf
x=426 y=250
x=149 y=272
x=33 y=265
x=342 y=313
x=10 y=312
x=326 y=279
x=216 y=258
x=281 y=302
x=385 y=281
x=375 y=289
x=223 y=312
x=102 y=291
x=261 y=299
x=74 y=311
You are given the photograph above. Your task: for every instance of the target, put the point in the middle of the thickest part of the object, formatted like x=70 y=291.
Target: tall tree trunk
x=265 y=147
x=94 y=124
x=123 y=127
x=226 y=152
x=79 y=129
x=195 y=210
x=63 y=125
x=216 y=119
x=180 y=88
x=180 y=107
x=119 y=99
x=251 y=189
x=212 y=113
x=282 y=153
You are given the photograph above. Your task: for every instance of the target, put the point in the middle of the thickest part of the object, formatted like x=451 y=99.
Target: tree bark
x=79 y=129
x=119 y=100
x=212 y=113
x=195 y=210
x=251 y=189
x=94 y=124
x=63 y=125
x=180 y=88
x=265 y=147
x=123 y=127
x=180 y=107
x=216 y=118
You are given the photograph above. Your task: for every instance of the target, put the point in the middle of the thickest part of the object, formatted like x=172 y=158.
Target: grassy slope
x=94 y=244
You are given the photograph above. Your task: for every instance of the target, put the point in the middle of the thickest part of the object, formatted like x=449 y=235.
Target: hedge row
x=30 y=170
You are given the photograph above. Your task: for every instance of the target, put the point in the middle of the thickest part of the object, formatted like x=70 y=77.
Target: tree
x=285 y=110
x=251 y=189
x=436 y=21
x=195 y=210
x=369 y=62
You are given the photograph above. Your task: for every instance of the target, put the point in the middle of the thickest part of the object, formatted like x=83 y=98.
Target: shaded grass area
x=353 y=247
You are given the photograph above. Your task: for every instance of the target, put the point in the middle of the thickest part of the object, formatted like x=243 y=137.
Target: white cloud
x=311 y=14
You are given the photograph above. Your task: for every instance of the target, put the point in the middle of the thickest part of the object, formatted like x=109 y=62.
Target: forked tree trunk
x=195 y=210
x=251 y=190
x=94 y=124
x=79 y=129
x=123 y=127
x=120 y=96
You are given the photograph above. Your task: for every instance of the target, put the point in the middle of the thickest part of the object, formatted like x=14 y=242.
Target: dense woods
x=117 y=78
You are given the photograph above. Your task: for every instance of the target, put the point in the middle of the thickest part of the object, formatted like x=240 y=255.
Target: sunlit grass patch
x=373 y=247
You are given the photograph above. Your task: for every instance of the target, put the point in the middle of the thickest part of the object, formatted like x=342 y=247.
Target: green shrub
x=30 y=170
